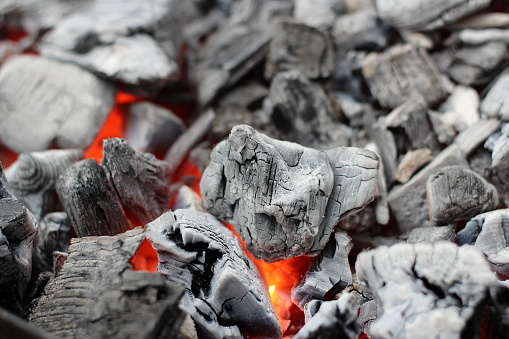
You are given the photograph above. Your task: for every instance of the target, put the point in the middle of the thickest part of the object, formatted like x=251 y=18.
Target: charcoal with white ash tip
x=284 y=199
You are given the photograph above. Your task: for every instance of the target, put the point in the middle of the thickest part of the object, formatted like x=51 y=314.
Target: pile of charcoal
x=369 y=135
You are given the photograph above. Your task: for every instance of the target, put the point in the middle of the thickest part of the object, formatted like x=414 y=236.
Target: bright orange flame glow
x=146 y=258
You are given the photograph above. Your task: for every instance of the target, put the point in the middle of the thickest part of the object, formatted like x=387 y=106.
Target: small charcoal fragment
x=496 y=102
x=55 y=234
x=432 y=234
x=455 y=193
x=225 y=292
x=412 y=162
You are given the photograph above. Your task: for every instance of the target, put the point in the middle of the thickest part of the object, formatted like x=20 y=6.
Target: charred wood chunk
x=408 y=202
x=302 y=112
x=496 y=102
x=430 y=283
x=33 y=176
x=470 y=139
x=360 y=30
x=98 y=295
x=65 y=104
x=412 y=162
x=488 y=231
x=335 y=319
x=296 y=46
x=140 y=180
x=284 y=199
x=318 y=14
x=401 y=73
x=225 y=292
x=432 y=234
x=151 y=128
x=428 y=14
x=54 y=235
x=227 y=56
x=90 y=201
x=455 y=193
x=136 y=60
x=329 y=273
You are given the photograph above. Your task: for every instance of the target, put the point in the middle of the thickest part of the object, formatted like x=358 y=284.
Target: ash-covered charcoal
x=90 y=200
x=55 y=232
x=335 y=319
x=151 y=128
x=432 y=234
x=224 y=291
x=426 y=288
x=367 y=314
x=136 y=60
x=482 y=36
x=65 y=105
x=140 y=180
x=408 y=202
x=188 y=199
x=460 y=110
x=455 y=193
x=385 y=143
x=499 y=161
x=298 y=47
x=426 y=15
x=412 y=162
x=361 y=29
x=33 y=176
x=329 y=273
x=98 y=295
x=496 y=103
x=284 y=199
x=227 y=56
x=318 y=14
x=258 y=13
x=302 y=112
x=474 y=136
x=400 y=73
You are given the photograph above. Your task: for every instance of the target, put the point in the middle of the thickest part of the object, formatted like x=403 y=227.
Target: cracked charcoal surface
x=225 y=293
x=33 y=176
x=455 y=193
x=284 y=199
x=426 y=288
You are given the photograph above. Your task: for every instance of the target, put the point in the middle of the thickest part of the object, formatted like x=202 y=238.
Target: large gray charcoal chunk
x=335 y=319
x=302 y=112
x=426 y=288
x=425 y=15
x=44 y=103
x=151 y=128
x=226 y=57
x=33 y=176
x=496 y=102
x=140 y=180
x=329 y=273
x=319 y=14
x=455 y=193
x=285 y=199
x=400 y=73
x=299 y=47
x=136 y=60
x=408 y=202
x=224 y=290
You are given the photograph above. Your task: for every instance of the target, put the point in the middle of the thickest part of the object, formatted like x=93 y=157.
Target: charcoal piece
x=318 y=14
x=200 y=156
x=412 y=118
x=98 y=295
x=482 y=36
x=360 y=221
x=367 y=314
x=226 y=57
x=329 y=273
x=426 y=15
x=469 y=234
x=65 y=105
x=381 y=206
x=474 y=136
x=224 y=290
x=140 y=180
x=408 y=202
x=461 y=108
x=33 y=176
x=189 y=139
x=311 y=308
x=426 y=287
x=454 y=193
x=54 y=235
x=422 y=40
x=136 y=60
x=14 y=327
x=299 y=196
x=494 y=230
x=385 y=142
x=496 y=103
x=400 y=73
x=296 y=46
x=412 y=162
x=477 y=65
x=259 y=13
x=360 y=30
x=482 y=21
x=248 y=96
x=347 y=74
x=302 y=112
x=335 y=319
x=90 y=200
x=188 y=199
x=443 y=126
x=151 y=128
x=432 y=234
